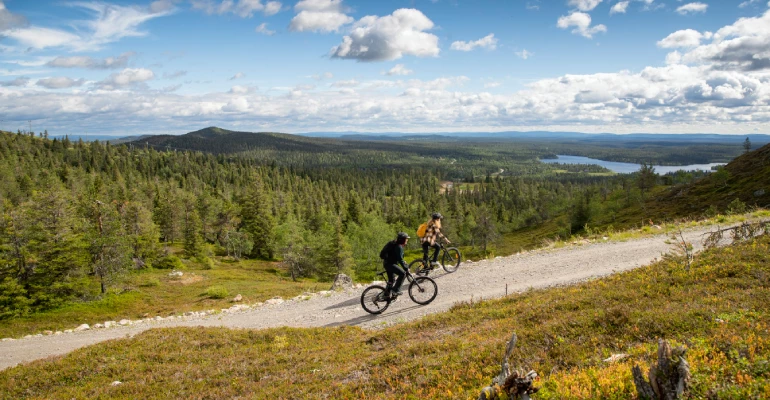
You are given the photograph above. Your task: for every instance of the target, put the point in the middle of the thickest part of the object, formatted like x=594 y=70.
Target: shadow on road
x=346 y=303
x=369 y=317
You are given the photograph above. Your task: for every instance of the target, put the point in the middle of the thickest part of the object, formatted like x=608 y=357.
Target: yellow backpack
x=421 y=230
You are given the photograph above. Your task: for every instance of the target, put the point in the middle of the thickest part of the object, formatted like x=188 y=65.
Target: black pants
x=393 y=269
x=426 y=246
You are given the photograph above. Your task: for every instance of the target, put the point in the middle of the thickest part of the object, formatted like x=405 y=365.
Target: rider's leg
x=436 y=248
x=425 y=247
x=401 y=275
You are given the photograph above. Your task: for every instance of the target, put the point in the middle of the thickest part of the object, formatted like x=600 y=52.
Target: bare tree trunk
x=669 y=378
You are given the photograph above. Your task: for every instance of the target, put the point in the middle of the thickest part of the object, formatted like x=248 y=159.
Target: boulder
x=83 y=327
x=124 y=322
x=98 y=326
x=109 y=324
x=238 y=298
x=342 y=282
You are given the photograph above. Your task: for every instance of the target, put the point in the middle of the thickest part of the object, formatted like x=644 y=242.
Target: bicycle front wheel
x=423 y=290
x=451 y=259
x=374 y=299
x=418 y=267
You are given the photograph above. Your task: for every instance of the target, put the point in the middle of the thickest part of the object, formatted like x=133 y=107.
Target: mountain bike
x=375 y=299
x=450 y=261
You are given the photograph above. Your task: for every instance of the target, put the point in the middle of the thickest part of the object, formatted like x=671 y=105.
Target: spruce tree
x=257 y=220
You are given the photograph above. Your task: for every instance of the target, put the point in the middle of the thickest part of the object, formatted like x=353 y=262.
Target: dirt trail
x=485 y=279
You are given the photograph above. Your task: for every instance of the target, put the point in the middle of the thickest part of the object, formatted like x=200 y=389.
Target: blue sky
x=171 y=66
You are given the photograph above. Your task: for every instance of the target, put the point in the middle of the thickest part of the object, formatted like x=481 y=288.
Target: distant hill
x=218 y=140
x=649 y=138
x=748 y=180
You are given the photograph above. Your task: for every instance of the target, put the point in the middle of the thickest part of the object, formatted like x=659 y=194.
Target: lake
x=625 y=168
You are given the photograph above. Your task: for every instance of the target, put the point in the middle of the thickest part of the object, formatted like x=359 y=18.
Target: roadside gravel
x=472 y=281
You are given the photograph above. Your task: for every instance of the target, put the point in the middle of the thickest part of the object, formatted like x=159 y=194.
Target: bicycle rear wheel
x=374 y=299
x=451 y=259
x=423 y=290
x=418 y=267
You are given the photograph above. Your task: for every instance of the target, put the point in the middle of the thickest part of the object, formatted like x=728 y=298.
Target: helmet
x=437 y=215
x=401 y=237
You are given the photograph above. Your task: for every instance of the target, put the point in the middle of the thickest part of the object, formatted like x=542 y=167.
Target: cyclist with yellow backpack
x=429 y=232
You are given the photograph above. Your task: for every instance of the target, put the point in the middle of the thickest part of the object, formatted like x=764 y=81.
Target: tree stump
x=669 y=378
x=342 y=282
x=516 y=385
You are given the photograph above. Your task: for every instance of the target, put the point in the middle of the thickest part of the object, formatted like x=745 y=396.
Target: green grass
x=718 y=309
x=153 y=292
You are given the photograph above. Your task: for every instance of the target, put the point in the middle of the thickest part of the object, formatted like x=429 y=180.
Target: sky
x=132 y=67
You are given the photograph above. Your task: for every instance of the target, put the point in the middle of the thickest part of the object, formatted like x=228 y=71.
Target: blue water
x=625 y=168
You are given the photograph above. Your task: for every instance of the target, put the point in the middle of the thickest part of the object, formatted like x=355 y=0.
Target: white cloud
x=120 y=61
x=237 y=89
x=10 y=20
x=490 y=85
x=488 y=42
x=683 y=38
x=162 y=6
x=174 y=75
x=127 y=77
x=325 y=75
x=692 y=8
x=582 y=23
x=41 y=38
x=59 y=83
x=524 y=54
x=584 y=5
x=346 y=84
x=389 y=38
x=399 y=69
x=20 y=81
x=619 y=7
x=319 y=16
x=744 y=45
x=262 y=28
x=238 y=75
x=241 y=8
x=272 y=8
x=748 y=3
x=110 y=24
x=237 y=105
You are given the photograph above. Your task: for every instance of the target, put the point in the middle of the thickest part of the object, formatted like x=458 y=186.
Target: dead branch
x=516 y=385
x=668 y=379
x=744 y=231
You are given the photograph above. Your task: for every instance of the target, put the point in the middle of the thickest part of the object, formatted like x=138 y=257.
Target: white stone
x=39 y=335
x=238 y=298
x=98 y=326
x=27 y=337
x=109 y=324
x=124 y=322
x=116 y=383
x=324 y=293
x=7 y=339
x=83 y=327
x=48 y=333
x=274 y=300
x=68 y=331
x=159 y=318
x=174 y=274
x=58 y=333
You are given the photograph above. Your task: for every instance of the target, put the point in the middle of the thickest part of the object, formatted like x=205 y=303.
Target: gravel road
x=485 y=279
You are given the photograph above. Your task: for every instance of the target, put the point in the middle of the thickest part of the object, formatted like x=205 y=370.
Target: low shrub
x=216 y=292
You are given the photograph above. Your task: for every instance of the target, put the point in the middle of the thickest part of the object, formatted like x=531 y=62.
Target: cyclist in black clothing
x=394 y=261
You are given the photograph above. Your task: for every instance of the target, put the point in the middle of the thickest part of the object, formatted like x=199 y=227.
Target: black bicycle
x=375 y=299
x=450 y=261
